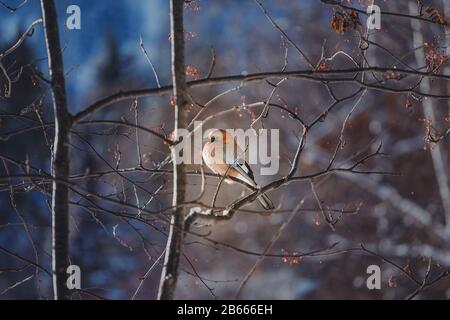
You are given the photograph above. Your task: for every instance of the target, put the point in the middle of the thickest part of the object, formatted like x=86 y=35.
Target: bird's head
x=218 y=135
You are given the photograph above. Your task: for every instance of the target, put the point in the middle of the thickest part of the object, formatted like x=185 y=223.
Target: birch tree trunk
x=447 y=41
x=60 y=153
x=425 y=86
x=169 y=273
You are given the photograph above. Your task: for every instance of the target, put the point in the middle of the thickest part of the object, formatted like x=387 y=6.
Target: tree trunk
x=169 y=273
x=427 y=105
x=60 y=154
x=447 y=42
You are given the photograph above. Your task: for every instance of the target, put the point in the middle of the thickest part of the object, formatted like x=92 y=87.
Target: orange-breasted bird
x=224 y=157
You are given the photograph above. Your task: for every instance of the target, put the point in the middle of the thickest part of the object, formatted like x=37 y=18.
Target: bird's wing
x=244 y=170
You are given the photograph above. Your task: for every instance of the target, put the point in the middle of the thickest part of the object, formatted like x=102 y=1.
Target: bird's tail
x=266 y=202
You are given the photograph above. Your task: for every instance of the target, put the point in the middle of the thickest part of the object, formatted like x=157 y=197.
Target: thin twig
x=141 y=43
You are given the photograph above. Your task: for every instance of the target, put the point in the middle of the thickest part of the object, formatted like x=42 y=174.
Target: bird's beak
x=205 y=139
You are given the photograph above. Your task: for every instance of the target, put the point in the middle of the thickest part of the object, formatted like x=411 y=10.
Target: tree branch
x=313 y=75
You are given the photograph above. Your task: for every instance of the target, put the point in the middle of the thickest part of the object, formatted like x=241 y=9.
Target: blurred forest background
x=400 y=217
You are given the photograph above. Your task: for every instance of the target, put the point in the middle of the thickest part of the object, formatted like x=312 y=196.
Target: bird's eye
x=213 y=139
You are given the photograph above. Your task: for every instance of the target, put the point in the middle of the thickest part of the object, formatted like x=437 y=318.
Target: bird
x=232 y=161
